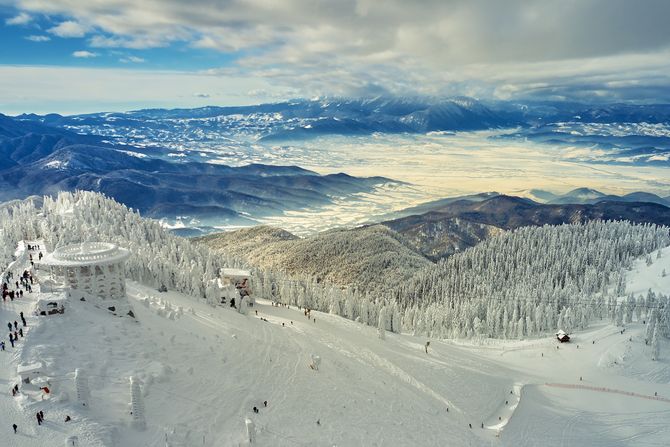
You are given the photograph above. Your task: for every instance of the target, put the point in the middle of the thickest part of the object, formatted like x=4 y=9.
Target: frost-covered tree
x=381 y=326
x=655 y=345
x=619 y=314
x=651 y=326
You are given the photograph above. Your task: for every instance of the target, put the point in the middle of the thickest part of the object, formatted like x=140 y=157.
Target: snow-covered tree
x=655 y=345
x=381 y=326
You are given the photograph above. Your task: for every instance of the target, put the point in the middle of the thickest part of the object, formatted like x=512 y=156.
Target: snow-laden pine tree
x=655 y=345
x=381 y=326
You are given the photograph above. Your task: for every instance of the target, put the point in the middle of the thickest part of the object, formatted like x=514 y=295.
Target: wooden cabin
x=562 y=336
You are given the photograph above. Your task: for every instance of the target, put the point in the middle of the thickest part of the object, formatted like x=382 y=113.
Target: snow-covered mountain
x=446 y=226
x=199 y=369
x=289 y=120
x=39 y=159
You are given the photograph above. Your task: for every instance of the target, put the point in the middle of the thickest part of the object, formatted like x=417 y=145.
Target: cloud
x=357 y=46
x=139 y=42
x=83 y=54
x=68 y=28
x=20 y=19
x=201 y=95
x=38 y=38
x=132 y=59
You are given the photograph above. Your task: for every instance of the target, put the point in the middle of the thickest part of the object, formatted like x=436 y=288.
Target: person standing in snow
x=23 y=320
x=14 y=426
x=9 y=325
x=2 y=345
x=16 y=325
x=39 y=419
x=11 y=339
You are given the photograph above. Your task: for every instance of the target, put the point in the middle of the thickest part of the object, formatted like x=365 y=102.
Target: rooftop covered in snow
x=235 y=273
x=86 y=253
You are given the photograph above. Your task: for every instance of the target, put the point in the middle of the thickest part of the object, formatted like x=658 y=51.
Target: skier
x=426 y=347
x=255 y=410
x=16 y=325
x=265 y=403
x=2 y=345
x=39 y=419
x=42 y=415
x=11 y=339
x=14 y=427
x=23 y=320
x=9 y=325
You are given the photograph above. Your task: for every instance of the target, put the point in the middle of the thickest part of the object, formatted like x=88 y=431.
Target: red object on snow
x=45 y=389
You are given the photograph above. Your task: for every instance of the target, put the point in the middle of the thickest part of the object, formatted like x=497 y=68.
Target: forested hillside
x=443 y=228
x=368 y=258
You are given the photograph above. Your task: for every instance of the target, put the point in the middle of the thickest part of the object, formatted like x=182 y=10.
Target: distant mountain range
x=302 y=118
x=39 y=159
x=624 y=133
x=294 y=119
x=590 y=196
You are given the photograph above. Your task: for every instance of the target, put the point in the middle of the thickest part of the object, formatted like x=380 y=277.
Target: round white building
x=93 y=268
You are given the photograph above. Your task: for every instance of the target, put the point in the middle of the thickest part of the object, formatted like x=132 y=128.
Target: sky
x=76 y=56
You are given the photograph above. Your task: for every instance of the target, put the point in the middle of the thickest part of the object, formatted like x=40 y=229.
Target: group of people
x=40 y=256
x=40 y=420
x=15 y=331
x=25 y=282
x=265 y=404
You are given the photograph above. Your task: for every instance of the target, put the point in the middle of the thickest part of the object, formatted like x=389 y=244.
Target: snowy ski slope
x=203 y=369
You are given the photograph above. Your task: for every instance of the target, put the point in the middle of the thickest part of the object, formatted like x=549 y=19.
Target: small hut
x=562 y=336
x=235 y=283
